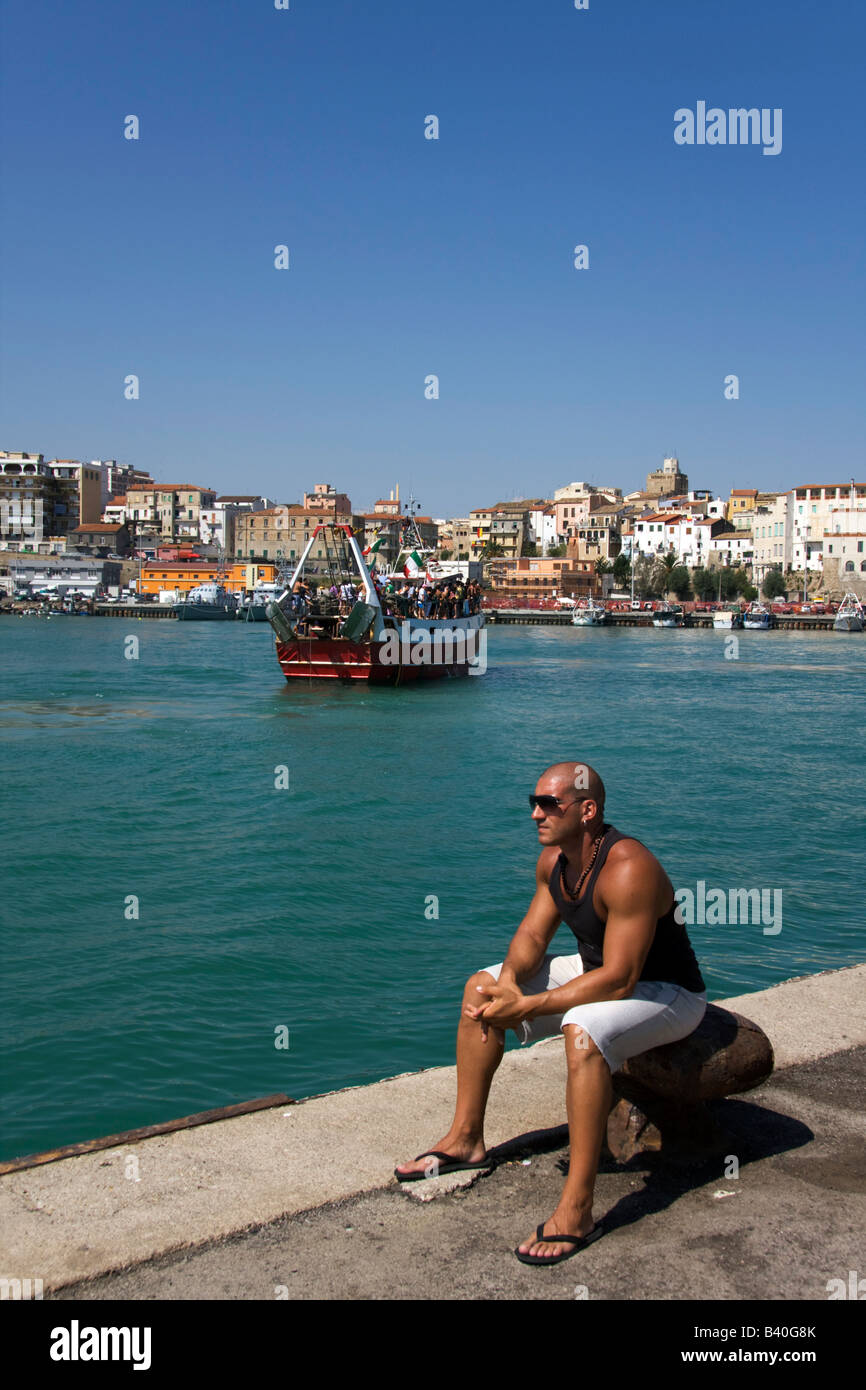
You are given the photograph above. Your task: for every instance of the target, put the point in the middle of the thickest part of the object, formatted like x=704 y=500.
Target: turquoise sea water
x=305 y=907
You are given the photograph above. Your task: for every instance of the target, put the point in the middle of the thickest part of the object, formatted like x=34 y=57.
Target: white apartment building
x=217 y=523
x=848 y=550
x=658 y=534
x=542 y=528
x=819 y=509
x=699 y=503
x=771 y=535
x=730 y=548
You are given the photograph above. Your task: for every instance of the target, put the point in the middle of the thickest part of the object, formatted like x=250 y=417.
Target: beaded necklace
x=580 y=882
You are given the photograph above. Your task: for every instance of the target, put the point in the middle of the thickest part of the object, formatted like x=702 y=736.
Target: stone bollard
x=661 y=1095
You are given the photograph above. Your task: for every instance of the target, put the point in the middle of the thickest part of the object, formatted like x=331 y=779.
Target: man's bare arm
x=536 y=931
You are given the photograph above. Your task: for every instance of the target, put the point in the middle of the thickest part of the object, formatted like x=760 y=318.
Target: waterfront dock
x=534 y=617
x=298 y=1200
x=134 y=610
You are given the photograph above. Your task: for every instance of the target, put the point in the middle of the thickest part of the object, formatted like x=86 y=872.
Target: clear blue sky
x=410 y=257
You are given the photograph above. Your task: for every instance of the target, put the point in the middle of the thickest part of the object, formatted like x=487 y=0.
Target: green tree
x=774 y=585
x=679 y=581
x=644 y=578
x=704 y=583
x=662 y=569
x=557 y=550
x=742 y=581
x=529 y=548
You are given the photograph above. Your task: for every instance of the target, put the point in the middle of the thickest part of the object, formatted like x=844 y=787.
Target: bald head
x=579 y=778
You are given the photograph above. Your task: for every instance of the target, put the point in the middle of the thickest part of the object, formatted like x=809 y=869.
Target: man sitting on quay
x=633 y=985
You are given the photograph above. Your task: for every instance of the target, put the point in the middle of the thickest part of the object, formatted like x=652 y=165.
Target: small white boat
x=667 y=615
x=729 y=617
x=758 y=617
x=588 y=613
x=849 y=615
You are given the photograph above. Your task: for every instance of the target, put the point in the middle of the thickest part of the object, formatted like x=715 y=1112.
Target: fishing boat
x=667 y=615
x=207 y=603
x=849 y=615
x=758 y=617
x=588 y=613
x=380 y=639
x=728 y=617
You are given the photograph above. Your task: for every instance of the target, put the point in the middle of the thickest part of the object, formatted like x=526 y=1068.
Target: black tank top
x=670 y=956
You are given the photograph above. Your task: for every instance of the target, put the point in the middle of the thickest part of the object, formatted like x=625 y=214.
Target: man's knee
x=579 y=1046
x=481 y=979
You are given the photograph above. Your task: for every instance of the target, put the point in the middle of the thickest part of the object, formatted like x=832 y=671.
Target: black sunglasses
x=553 y=803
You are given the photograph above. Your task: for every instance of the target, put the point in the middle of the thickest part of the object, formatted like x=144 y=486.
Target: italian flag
x=377 y=545
x=412 y=565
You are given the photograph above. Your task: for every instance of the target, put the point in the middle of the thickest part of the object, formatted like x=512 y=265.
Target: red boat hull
x=320 y=658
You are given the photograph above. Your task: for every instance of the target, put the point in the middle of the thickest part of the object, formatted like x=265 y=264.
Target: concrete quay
x=299 y=1201
x=550 y=617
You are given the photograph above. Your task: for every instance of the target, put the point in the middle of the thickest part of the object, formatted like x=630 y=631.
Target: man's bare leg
x=588 y=1098
x=477 y=1061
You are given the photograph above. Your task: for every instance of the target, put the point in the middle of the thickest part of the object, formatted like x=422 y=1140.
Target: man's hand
x=504 y=1005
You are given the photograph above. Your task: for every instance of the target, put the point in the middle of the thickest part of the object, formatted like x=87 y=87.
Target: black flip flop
x=446 y=1163
x=580 y=1243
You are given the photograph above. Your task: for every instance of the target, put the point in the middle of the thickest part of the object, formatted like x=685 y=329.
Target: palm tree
x=664 y=565
x=601 y=567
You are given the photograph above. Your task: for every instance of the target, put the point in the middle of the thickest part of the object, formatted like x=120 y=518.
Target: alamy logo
x=716 y=908
x=76 y=1343
x=736 y=126
x=416 y=646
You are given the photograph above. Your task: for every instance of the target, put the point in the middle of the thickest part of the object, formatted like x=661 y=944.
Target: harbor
x=503 y=617
x=227 y=758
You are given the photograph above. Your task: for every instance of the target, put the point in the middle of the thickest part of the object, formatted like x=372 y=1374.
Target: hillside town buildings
x=69 y=507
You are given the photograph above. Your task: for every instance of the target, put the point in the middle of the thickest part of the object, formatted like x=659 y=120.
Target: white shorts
x=655 y=1012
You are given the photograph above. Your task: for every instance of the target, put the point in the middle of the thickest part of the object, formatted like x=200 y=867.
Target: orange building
x=184 y=575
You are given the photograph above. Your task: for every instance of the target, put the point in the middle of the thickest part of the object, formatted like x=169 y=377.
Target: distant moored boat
x=849 y=615
x=207 y=603
x=588 y=613
x=758 y=617
x=667 y=615
x=728 y=617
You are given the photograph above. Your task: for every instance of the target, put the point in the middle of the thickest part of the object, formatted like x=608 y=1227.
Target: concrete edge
x=806 y=1018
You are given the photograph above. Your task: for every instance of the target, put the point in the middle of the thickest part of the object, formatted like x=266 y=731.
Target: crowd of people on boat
x=447 y=598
